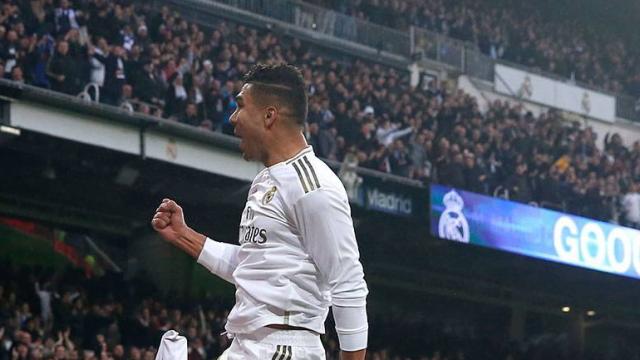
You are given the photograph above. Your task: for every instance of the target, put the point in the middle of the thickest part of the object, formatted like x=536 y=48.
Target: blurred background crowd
x=64 y=315
x=155 y=62
x=527 y=33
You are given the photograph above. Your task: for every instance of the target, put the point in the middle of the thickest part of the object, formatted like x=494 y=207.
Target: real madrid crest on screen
x=268 y=196
x=453 y=225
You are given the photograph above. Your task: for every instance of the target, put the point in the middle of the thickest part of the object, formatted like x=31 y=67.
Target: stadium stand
x=521 y=32
x=157 y=63
x=66 y=315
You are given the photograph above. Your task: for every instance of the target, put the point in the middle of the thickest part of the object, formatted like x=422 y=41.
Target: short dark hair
x=284 y=82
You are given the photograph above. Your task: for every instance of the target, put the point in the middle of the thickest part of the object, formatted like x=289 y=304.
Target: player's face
x=248 y=124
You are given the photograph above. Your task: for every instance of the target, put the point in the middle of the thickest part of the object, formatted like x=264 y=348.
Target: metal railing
x=328 y=22
x=479 y=65
x=628 y=107
x=440 y=48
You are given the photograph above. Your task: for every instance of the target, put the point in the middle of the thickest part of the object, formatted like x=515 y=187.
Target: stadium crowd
x=63 y=315
x=518 y=31
x=156 y=62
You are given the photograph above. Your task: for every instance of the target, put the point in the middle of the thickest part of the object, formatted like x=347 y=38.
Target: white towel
x=172 y=347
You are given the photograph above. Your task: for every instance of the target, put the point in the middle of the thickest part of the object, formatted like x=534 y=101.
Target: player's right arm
x=219 y=258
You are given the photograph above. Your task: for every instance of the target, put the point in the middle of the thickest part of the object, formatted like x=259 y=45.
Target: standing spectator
x=631 y=206
x=148 y=87
x=9 y=52
x=44 y=294
x=452 y=172
x=38 y=61
x=205 y=77
x=475 y=177
x=134 y=63
x=65 y=18
x=215 y=104
x=324 y=140
x=62 y=70
x=228 y=94
x=399 y=159
x=518 y=185
x=101 y=51
x=176 y=99
x=115 y=76
x=127 y=38
x=142 y=38
x=388 y=132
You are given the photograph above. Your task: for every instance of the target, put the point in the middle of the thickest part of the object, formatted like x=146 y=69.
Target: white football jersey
x=298 y=253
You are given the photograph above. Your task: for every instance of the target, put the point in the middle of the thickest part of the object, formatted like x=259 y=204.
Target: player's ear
x=270 y=115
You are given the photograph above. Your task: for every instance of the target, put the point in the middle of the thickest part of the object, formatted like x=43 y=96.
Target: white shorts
x=266 y=344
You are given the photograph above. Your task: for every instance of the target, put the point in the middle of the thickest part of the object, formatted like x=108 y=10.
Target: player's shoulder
x=305 y=173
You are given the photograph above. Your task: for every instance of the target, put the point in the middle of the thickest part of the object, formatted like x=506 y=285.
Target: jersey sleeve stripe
x=298 y=156
x=277 y=353
x=306 y=173
x=313 y=172
x=304 y=185
x=283 y=352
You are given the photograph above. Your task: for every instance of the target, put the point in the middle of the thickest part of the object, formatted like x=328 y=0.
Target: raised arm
x=217 y=257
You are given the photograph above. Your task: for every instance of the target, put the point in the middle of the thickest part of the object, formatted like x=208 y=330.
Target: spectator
x=176 y=99
x=126 y=99
x=631 y=206
x=37 y=61
x=17 y=74
x=65 y=18
x=323 y=141
x=10 y=52
x=475 y=176
x=142 y=38
x=191 y=115
x=452 y=172
x=518 y=184
x=115 y=76
x=44 y=294
x=399 y=159
x=98 y=58
x=148 y=87
x=388 y=132
x=62 y=70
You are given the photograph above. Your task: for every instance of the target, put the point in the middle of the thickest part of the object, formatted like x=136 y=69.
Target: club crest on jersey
x=268 y=196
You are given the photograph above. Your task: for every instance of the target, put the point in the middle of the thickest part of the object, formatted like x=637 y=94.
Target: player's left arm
x=324 y=219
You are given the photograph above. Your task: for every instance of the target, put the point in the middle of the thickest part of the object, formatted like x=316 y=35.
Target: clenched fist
x=169 y=222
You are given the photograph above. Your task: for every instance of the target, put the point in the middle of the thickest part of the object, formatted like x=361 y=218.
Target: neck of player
x=283 y=148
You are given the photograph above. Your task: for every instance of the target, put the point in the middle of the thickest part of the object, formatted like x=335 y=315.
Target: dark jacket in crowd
x=63 y=65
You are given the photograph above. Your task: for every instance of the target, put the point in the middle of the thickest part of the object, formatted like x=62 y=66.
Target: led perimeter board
x=467 y=217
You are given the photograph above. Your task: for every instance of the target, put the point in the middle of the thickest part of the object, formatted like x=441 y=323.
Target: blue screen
x=467 y=217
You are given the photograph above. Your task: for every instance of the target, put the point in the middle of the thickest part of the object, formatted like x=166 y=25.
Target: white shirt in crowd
x=631 y=205
x=97 y=68
x=45 y=302
x=297 y=255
